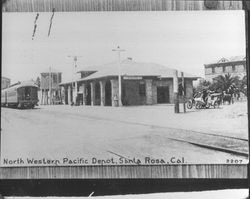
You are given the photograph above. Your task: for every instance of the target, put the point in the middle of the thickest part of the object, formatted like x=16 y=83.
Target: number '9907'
x=234 y=161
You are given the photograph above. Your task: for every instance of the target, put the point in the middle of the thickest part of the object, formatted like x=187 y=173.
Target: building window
x=224 y=69
x=54 y=78
x=228 y=69
x=142 y=89
x=213 y=69
x=59 y=78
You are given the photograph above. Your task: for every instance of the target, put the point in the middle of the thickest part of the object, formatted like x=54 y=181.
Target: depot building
x=141 y=83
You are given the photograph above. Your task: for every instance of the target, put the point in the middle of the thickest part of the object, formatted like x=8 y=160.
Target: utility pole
x=246 y=7
x=50 y=85
x=75 y=58
x=118 y=50
x=183 y=92
x=176 y=97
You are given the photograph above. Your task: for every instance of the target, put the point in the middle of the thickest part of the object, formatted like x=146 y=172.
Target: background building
x=5 y=82
x=236 y=66
x=142 y=84
x=50 y=90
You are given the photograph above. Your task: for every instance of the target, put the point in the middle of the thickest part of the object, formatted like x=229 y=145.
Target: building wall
x=131 y=91
x=237 y=68
x=149 y=91
x=166 y=82
x=131 y=95
x=5 y=82
x=114 y=90
x=189 y=88
x=53 y=78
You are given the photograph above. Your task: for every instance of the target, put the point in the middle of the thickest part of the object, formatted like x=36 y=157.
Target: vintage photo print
x=123 y=88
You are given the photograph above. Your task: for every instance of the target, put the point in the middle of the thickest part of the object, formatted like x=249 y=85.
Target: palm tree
x=203 y=84
x=243 y=85
x=224 y=82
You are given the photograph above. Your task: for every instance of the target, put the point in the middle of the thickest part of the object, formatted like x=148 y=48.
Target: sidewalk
x=228 y=120
x=224 y=129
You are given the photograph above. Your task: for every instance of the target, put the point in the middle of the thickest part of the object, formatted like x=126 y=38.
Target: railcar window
x=27 y=92
x=11 y=93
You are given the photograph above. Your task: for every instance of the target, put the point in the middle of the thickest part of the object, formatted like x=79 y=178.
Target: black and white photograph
x=124 y=88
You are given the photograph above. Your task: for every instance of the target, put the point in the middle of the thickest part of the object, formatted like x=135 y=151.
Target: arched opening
x=88 y=94
x=97 y=94
x=108 y=100
x=65 y=93
x=71 y=94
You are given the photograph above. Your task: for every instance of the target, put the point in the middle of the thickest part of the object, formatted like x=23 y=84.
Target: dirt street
x=145 y=133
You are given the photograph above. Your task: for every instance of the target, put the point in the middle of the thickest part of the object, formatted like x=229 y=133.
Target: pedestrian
x=116 y=100
x=204 y=95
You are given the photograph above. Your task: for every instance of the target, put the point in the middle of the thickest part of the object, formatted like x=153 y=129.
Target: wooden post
x=102 y=91
x=183 y=92
x=176 y=97
x=92 y=87
x=246 y=7
x=42 y=97
x=50 y=81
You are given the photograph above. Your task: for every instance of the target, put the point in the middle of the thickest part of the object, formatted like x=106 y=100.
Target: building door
x=162 y=94
x=66 y=96
x=71 y=95
x=79 y=98
x=97 y=94
x=88 y=94
x=108 y=101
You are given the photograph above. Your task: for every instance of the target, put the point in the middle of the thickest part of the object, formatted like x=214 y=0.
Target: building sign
x=132 y=77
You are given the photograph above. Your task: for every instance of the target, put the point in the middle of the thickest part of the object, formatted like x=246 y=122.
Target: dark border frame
x=83 y=187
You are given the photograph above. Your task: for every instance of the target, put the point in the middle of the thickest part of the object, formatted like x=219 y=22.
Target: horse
x=227 y=97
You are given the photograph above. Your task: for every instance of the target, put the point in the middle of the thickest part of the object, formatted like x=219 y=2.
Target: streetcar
x=20 y=95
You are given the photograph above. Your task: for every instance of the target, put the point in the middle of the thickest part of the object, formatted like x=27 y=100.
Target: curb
x=241 y=153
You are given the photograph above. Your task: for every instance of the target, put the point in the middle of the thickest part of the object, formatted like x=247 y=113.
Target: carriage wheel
x=197 y=105
x=216 y=105
x=20 y=106
x=189 y=105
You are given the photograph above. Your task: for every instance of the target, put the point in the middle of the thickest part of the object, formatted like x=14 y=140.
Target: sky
x=184 y=40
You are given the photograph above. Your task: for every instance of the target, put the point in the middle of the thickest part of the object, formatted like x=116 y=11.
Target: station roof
x=5 y=78
x=21 y=84
x=132 y=68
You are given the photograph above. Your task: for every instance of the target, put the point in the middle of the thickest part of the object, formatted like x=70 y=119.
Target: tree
x=38 y=82
x=243 y=85
x=225 y=82
x=203 y=84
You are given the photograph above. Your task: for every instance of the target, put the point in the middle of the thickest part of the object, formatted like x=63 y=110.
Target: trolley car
x=20 y=95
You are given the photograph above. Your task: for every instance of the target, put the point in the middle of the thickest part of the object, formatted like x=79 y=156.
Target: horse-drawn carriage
x=212 y=100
